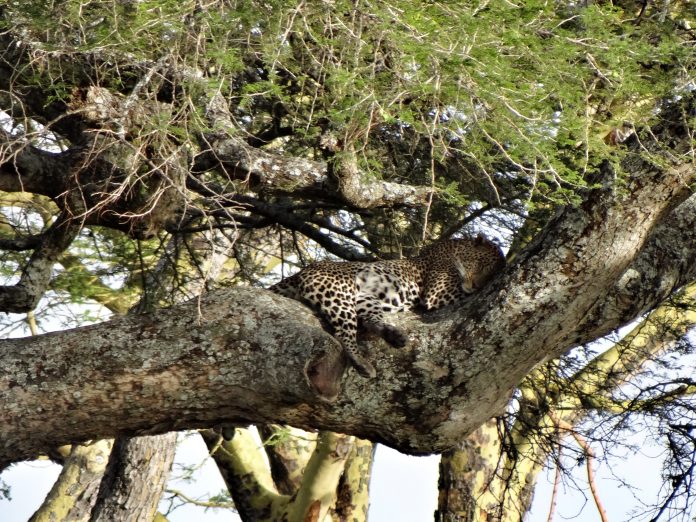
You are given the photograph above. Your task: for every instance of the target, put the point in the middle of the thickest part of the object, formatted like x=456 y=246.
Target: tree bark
x=244 y=356
x=288 y=450
x=75 y=491
x=135 y=466
x=245 y=473
x=484 y=481
x=353 y=495
x=466 y=473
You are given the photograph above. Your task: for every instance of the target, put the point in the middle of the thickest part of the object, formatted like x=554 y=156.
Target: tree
x=142 y=138
x=495 y=469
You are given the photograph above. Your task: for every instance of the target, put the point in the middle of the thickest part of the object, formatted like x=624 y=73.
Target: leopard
x=354 y=294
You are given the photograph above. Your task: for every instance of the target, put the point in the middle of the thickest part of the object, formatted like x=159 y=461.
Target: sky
x=402 y=488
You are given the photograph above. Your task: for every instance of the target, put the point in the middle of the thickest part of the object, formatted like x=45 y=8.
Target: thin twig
x=589 y=460
x=556 y=482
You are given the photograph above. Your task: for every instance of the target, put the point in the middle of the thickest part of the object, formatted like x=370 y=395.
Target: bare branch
x=273 y=172
x=589 y=461
x=26 y=293
x=25 y=168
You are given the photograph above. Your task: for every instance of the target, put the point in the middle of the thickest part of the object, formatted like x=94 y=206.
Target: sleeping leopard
x=352 y=294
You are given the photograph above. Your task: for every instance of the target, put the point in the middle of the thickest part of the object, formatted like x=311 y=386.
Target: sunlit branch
x=589 y=461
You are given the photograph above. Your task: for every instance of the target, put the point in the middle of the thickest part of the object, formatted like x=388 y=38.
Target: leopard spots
x=353 y=294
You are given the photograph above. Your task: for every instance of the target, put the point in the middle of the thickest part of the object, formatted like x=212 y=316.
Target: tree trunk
x=135 y=478
x=353 y=494
x=486 y=480
x=75 y=491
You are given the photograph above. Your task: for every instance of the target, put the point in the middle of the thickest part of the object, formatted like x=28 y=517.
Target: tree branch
x=75 y=490
x=25 y=168
x=274 y=172
x=666 y=263
x=135 y=466
x=25 y=295
x=220 y=353
x=589 y=461
x=243 y=469
x=21 y=244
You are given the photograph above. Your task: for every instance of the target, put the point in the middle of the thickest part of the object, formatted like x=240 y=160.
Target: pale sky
x=403 y=488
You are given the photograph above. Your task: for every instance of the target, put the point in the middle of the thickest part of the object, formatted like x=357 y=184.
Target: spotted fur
x=349 y=294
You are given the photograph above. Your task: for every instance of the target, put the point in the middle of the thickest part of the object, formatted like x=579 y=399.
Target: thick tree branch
x=317 y=492
x=139 y=467
x=666 y=263
x=135 y=478
x=353 y=495
x=75 y=490
x=274 y=172
x=360 y=192
x=26 y=293
x=243 y=469
x=288 y=450
x=221 y=354
x=479 y=476
x=25 y=168
x=559 y=279
x=221 y=344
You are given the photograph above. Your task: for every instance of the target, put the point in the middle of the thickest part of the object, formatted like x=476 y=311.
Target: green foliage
x=536 y=86
x=280 y=434
x=106 y=267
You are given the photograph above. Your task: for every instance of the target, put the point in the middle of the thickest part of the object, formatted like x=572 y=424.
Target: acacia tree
x=494 y=471
x=151 y=131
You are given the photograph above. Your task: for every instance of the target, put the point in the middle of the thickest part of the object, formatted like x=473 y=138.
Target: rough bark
x=217 y=359
x=304 y=177
x=135 y=465
x=229 y=353
x=75 y=491
x=139 y=466
x=666 y=263
x=483 y=481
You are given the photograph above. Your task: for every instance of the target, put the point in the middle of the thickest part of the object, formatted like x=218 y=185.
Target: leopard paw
x=394 y=336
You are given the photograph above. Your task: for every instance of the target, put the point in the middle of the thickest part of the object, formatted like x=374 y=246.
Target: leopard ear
x=480 y=239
